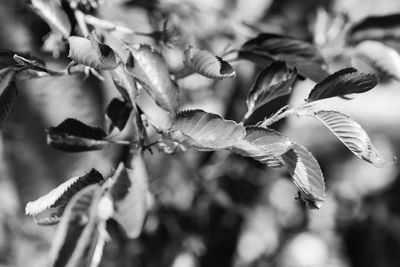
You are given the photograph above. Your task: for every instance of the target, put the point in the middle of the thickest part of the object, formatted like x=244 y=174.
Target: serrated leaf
x=274 y=81
x=306 y=174
x=262 y=144
x=52 y=12
x=124 y=83
x=8 y=94
x=77 y=229
x=49 y=208
x=343 y=82
x=74 y=136
x=207 y=64
x=352 y=135
x=149 y=68
x=90 y=52
x=205 y=131
x=269 y=47
x=377 y=58
x=129 y=194
x=379 y=28
x=119 y=111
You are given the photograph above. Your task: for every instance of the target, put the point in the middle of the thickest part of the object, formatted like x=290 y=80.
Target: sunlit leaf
x=352 y=135
x=269 y=47
x=49 y=208
x=377 y=58
x=343 y=82
x=124 y=83
x=379 y=28
x=90 y=52
x=306 y=174
x=274 y=81
x=129 y=194
x=74 y=136
x=149 y=68
x=262 y=144
x=119 y=111
x=205 y=131
x=52 y=12
x=8 y=94
x=207 y=64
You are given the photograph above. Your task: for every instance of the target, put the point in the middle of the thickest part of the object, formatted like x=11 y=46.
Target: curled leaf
x=49 y=208
x=343 y=82
x=124 y=83
x=90 y=52
x=269 y=47
x=149 y=68
x=352 y=135
x=8 y=94
x=306 y=174
x=207 y=64
x=74 y=136
x=274 y=81
x=205 y=131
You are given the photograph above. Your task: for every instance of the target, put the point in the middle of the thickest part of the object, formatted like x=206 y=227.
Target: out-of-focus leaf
x=49 y=208
x=52 y=12
x=119 y=111
x=205 y=131
x=124 y=83
x=378 y=58
x=8 y=94
x=306 y=174
x=129 y=194
x=352 y=135
x=343 y=82
x=149 y=68
x=207 y=64
x=76 y=231
x=378 y=28
x=268 y=47
x=74 y=136
x=272 y=82
x=90 y=52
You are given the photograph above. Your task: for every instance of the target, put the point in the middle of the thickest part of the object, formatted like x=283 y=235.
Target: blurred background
x=208 y=211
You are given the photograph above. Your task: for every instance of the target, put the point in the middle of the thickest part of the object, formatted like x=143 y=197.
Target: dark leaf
x=74 y=136
x=8 y=94
x=119 y=112
x=90 y=52
x=207 y=64
x=352 y=135
x=149 y=68
x=274 y=81
x=205 y=131
x=129 y=194
x=303 y=56
x=49 y=208
x=307 y=175
x=341 y=83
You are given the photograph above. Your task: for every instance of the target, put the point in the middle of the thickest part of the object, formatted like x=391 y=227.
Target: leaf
x=119 y=112
x=74 y=136
x=124 y=83
x=205 y=131
x=129 y=194
x=343 y=82
x=262 y=144
x=269 y=47
x=149 y=68
x=377 y=58
x=77 y=229
x=8 y=94
x=307 y=175
x=90 y=52
x=379 y=28
x=274 y=81
x=352 y=135
x=49 y=208
x=51 y=11
x=207 y=64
